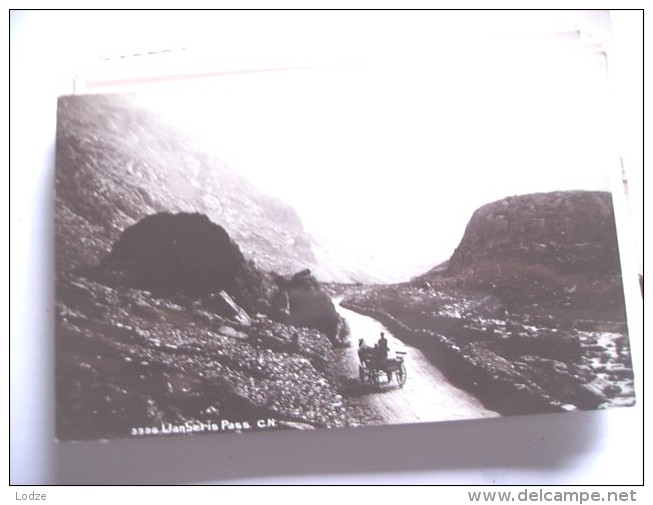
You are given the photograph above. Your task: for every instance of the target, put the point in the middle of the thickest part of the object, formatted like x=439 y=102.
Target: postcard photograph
x=348 y=245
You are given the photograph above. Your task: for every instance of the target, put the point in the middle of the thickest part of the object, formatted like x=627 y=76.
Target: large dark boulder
x=301 y=301
x=186 y=254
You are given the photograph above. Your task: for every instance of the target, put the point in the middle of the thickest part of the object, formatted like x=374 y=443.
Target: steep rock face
x=184 y=254
x=569 y=232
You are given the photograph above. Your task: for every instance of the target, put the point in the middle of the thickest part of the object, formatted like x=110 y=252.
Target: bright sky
x=389 y=159
x=386 y=130
x=392 y=128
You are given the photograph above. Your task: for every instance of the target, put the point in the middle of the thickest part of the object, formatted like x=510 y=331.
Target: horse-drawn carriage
x=374 y=367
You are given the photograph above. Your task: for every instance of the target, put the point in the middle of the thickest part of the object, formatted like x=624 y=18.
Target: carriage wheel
x=362 y=374
x=401 y=375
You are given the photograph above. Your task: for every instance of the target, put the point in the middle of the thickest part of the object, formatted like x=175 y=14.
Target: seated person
x=382 y=347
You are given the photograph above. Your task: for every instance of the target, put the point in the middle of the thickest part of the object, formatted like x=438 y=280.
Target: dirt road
x=427 y=396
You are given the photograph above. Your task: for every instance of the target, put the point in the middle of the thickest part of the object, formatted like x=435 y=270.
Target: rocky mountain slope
x=177 y=298
x=176 y=330
x=187 y=299
x=528 y=313
x=129 y=362
x=118 y=162
x=568 y=232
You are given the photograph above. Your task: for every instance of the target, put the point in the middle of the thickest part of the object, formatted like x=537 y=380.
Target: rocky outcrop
x=301 y=301
x=572 y=231
x=552 y=250
x=184 y=254
x=176 y=330
x=224 y=305
x=187 y=254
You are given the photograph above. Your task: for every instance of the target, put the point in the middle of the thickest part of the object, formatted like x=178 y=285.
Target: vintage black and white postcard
x=386 y=242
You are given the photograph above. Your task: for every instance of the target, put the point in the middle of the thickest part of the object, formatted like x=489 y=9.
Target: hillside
x=568 y=232
x=175 y=328
x=118 y=162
